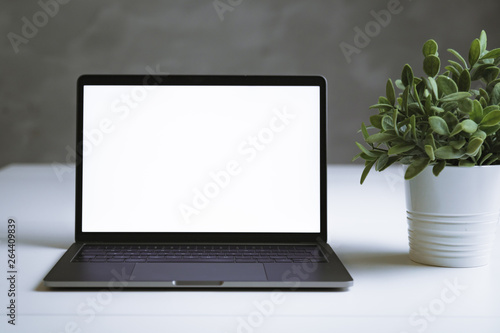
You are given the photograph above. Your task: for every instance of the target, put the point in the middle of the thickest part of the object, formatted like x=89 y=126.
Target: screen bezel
x=184 y=237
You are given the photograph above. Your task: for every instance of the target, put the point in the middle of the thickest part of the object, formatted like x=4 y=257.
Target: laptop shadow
x=52 y=242
x=384 y=261
x=42 y=288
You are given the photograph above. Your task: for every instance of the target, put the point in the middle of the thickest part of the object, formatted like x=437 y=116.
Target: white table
x=367 y=231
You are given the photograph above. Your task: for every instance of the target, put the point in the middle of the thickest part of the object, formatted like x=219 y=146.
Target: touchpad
x=199 y=272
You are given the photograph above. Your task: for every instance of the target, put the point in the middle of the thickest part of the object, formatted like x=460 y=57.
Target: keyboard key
x=135 y=260
x=300 y=260
x=265 y=261
x=245 y=260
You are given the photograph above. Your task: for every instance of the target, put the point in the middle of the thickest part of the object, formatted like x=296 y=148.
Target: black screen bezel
x=183 y=237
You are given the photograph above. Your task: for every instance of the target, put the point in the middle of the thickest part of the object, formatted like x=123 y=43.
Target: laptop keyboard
x=200 y=253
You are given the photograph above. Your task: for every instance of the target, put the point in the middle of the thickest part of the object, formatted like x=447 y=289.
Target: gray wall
x=38 y=68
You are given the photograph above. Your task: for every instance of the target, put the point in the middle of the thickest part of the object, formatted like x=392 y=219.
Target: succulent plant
x=444 y=119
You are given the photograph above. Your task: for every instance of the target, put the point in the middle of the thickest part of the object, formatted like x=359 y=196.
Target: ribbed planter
x=452 y=218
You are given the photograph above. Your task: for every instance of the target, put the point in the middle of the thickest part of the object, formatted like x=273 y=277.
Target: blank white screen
x=201 y=159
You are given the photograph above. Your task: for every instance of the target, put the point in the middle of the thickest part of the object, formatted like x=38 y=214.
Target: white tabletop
x=367 y=231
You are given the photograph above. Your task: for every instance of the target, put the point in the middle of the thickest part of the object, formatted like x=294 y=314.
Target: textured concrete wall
x=45 y=47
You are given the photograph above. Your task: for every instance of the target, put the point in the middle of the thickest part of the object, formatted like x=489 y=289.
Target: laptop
x=200 y=181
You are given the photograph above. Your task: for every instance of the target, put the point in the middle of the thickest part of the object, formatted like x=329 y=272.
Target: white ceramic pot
x=452 y=218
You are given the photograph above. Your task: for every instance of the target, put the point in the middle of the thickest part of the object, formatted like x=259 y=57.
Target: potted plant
x=445 y=124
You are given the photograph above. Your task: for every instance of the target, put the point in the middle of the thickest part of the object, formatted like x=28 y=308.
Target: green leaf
x=457 y=129
x=449 y=106
x=464 y=163
x=413 y=126
x=381 y=162
x=387 y=123
x=491 y=119
x=490 y=129
x=483 y=102
x=406 y=160
x=489 y=87
x=428 y=106
x=414 y=109
x=475 y=92
x=459 y=57
x=404 y=98
x=433 y=87
x=495 y=95
x=367 y=157
x=458 y=144
x=491 y=74
x=477 y=111
x=430 y=152
x=453 y=71
x=448 y=153
x=490 y=108
x=391 y=161
x=365 y=150
x=479 y=134
x=478 y=71
x=436 y=170
x=395 y=119
x=376 y=121
x=484 y=94
x=455 y=96
x=416 y=96
x=407 y=76
x=485 y=158
x=446 y=86
x=492 y=54
x=390 y=93
x=474 y=52
x=437 y=110
x=408 y=132
x=383 y=100
x=429 y=140
x=464 y=81
x=399 y=84
x=401 y=148
x=483 y=41
x=473 y=146
x=457 y=66
x=439 y=125
x=380 y=137
x=431 y=65
x=492 y=160
x=450 y=119
x=430 y=48
x=469 y=126
x=382 y=107
x=416 y=167
x=465 y=105
x=364 y=131
x=366 y=170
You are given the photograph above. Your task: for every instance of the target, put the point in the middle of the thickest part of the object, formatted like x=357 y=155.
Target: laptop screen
x=201 y=158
